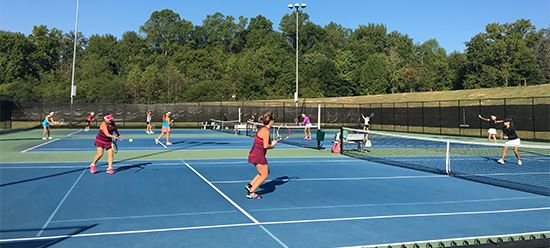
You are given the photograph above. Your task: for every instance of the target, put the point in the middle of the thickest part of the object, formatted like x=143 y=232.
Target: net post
x=240 y=119
x=319 y=116
x=341 y=139
x=448 y=158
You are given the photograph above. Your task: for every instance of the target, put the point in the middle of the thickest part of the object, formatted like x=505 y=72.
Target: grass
x=474 y=94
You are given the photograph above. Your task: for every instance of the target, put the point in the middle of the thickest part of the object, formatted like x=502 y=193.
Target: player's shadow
x=271 y=186
x=140 y=167
x=200 y=143
x=63 y=233
x=15 y=139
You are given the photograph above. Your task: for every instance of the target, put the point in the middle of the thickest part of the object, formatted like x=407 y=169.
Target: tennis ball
x=131 y=140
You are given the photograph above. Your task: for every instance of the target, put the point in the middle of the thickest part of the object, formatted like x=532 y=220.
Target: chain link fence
x=531 y=116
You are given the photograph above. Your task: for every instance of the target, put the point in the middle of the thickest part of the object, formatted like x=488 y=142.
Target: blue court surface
x=186 y=139
x=308 y=202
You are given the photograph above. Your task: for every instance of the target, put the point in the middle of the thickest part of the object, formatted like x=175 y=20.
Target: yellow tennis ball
x=131 y=140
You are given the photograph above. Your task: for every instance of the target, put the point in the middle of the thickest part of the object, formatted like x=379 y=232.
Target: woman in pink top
x=104 y=140
x=306 y=122
x=262 y=143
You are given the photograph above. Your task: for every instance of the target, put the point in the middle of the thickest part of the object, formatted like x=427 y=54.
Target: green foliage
x=171 y=60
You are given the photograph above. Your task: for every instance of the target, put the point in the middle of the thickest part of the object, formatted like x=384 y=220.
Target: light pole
x=297 y=6
x=73 y=87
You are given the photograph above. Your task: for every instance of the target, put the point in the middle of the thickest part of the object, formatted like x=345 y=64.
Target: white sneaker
x=50 y=138
x=156 y=141
x=168 y=143
x=519 y=162
x=147 y=132
x=43 y=138
x=500 y=161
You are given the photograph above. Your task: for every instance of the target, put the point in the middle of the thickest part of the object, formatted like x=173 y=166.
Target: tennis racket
x=283 y=132
x=60 y=122
x=296 y=120
x=115 y=142
x=371 y=115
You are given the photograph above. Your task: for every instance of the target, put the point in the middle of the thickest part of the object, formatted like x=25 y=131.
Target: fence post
x=533 y=113
x=284 y=112
x=440 y=130
x=505 y=112
x=124 y=115
x=342 y=119
x=393 y=116
x=381 y=118
x=422 y=109
x=408 y=130
x=360 y=114
x=480 y=127
x=199 y=113
x=459 y=128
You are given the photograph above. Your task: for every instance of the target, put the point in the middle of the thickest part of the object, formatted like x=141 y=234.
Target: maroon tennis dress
x=257 y=153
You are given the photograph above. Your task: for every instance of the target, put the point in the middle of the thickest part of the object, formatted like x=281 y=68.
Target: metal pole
x=296 y=96
x=533 y=114
x=73 y=92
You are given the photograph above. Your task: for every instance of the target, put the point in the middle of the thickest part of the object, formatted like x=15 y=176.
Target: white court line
x=202 y=160
x=398 y=204
x=339 y=179
x=143 y=216
x=389 y=178
x=405 y=216
x=126 y=232
x=60 y=203
x=272 y=223
x=75 y=132
x=273 y=161
x=446 y=240
x=254 y=220
x=39 y=145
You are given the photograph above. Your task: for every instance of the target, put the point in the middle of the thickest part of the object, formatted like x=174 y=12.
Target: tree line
x=224 y=58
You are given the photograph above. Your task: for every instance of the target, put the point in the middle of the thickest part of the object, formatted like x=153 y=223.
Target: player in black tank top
x=513 y=140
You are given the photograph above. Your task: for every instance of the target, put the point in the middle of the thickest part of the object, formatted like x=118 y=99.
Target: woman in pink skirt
x=104 y=140
x=262 y=143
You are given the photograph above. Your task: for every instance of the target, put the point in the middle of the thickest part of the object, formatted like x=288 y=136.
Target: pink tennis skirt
x=103 y=144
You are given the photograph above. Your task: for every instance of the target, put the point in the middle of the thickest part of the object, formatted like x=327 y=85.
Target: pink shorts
x=166 y=129
x=103 y=144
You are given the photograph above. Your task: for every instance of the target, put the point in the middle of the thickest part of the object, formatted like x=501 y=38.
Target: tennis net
x=474 y=161
x=291 y=135
x=232 y=126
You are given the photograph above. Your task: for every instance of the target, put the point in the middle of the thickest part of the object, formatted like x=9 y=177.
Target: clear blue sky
x=451 y=22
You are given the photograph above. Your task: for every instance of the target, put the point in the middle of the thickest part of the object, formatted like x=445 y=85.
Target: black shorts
x=88 y=122
x=148 y=122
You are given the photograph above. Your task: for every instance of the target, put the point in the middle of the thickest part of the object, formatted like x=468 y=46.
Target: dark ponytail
x=267 y=118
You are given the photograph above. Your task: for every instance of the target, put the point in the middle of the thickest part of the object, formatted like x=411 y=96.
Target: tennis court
x=192 y=195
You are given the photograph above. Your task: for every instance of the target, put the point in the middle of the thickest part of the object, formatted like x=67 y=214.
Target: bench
x=361 y=139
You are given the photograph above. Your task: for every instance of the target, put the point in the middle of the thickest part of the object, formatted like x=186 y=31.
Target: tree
x=504 y=53
x=165 y=31
x=375 y=75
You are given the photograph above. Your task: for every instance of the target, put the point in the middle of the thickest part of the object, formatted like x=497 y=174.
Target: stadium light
x=297 y=6
x=73 y=87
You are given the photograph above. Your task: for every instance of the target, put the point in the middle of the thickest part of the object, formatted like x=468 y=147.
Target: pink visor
x=108 y=117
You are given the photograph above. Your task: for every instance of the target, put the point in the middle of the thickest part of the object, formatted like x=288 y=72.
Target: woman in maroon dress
x=262 y=142
x=104 y=140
